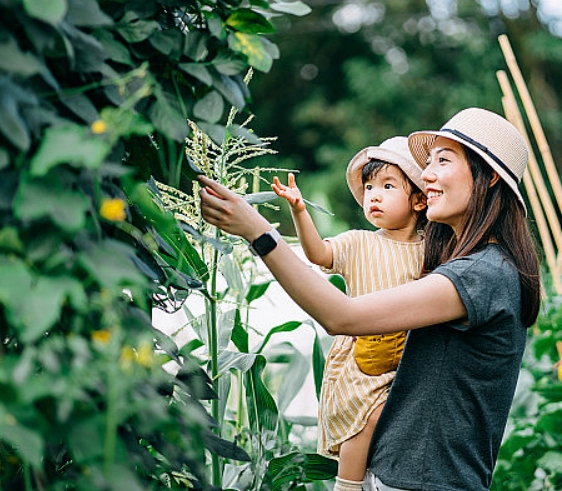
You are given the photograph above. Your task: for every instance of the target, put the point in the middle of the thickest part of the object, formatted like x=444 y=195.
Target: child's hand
x=291 y=193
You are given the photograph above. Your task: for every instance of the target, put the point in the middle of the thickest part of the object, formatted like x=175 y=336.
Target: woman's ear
x=495 y=178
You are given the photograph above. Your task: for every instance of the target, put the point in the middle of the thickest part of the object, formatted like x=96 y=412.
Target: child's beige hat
x=490 y=135
x=394 y=151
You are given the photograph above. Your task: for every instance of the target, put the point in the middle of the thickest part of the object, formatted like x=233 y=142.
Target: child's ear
x=495 y=179
x=420 y=202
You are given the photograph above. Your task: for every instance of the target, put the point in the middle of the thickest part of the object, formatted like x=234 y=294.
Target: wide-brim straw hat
x=490 y=135
x=394 y=151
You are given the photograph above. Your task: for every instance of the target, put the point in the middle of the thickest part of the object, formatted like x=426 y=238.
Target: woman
x=443 y=422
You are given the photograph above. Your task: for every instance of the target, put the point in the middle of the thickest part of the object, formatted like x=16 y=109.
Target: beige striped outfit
x=368 y=262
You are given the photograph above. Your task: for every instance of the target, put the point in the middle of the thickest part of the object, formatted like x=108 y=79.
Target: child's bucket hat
x=394 y=151
x=490 y=135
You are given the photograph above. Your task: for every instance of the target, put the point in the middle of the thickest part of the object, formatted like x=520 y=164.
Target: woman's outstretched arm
x=421 y=303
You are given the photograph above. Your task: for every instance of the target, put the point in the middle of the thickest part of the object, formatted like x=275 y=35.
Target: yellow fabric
x=376 y=355
x=368 y=262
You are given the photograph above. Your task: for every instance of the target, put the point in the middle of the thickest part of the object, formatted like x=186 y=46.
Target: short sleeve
x=340 y=250
x=487 y=283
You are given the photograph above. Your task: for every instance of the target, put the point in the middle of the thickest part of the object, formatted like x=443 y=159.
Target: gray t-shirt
x=443 y=423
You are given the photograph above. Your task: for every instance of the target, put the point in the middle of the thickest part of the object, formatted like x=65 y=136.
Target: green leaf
x=134 y=30
x=27 y=443
x=15 y=61
x=12 y=124
x=251 y=46
x=115 y=50
x=195 y=46
x=4 y=158
x=109 y=264
x=261 y=197
x=198 y=71
x=87 y=13
x=338 y=282
x=37 y=198
x=286 y=327
x=229 y=89
x=294 y=376
x=262 y=410
x=257 y=290
x=10 y=240
x=318 y=207
x=168 y=121
x=295 y=8
x=318 y=364
x=52 y=12
x=86 y=438
x=248 y=21
x=239 y=335
x=69 y=144
x=210 y=107
x=229 y=360
x=167 y=42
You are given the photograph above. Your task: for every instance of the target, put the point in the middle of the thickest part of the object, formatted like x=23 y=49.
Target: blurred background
x=354 y=73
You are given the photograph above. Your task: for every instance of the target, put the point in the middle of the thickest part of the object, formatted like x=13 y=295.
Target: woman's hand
x=229 y=211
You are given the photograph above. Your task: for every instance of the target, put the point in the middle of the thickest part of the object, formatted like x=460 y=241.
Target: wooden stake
x=533 y=118
x=512 y=113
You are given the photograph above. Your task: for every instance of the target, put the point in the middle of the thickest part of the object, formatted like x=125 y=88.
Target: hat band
x=485 y=150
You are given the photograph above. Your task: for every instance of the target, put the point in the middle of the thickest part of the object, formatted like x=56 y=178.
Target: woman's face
x=449 y=183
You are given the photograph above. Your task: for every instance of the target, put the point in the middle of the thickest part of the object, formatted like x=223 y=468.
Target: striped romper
x=368 y=262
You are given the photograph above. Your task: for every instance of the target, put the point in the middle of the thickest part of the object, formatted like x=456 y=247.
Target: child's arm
x=318 y=251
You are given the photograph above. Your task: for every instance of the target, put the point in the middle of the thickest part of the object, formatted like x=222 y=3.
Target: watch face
x=265 y=243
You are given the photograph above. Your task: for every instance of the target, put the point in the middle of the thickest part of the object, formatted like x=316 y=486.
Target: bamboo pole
x=538 y=179
x=512 y=113
x=533 y=118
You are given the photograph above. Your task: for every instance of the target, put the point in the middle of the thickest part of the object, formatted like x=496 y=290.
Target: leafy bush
x=95 y=97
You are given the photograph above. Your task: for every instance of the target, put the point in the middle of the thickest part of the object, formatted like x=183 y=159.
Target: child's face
x=386 y=200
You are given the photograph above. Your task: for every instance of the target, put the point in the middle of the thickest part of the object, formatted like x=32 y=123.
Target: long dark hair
x=494 y=214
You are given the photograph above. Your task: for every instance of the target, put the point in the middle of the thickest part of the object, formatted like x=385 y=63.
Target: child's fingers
x=292 y=182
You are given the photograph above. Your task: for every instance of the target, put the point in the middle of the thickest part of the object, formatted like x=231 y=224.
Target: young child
x=386 y=182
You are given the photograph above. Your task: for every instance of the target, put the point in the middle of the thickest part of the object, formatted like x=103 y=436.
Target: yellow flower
x=128 y=355
x=145 y=355
x=101 y=336
x=113 y=209
x=99 y=126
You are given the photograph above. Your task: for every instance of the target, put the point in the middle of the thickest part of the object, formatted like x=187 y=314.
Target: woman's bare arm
x=421 y=303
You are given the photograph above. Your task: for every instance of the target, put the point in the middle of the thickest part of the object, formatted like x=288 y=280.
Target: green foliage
x=95 y=99
x=530 y=458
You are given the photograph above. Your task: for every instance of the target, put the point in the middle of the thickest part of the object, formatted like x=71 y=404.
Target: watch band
x=265 y=243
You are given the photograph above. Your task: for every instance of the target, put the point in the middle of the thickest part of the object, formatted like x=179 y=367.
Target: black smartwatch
x=265 y=243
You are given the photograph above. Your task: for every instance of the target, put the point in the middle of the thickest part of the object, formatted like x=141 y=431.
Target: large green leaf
x=47 y=197
x=52 y=12
x=167 y=42
x=294 y=377
x=284 y=471
x=12 y=124
x=28 y=443
x=251 y=46
x=296 y=8
x=168 y=120
x=209 y=108
x=69 y=144
x=248 y=21
x=134 y=30
x=257 y=290
x=262 y=410
x=229 y=360
x=197 y=70
x=285 y=327
x=109 y=264
x=116 y=50
x=13 y=60
x=87 y=13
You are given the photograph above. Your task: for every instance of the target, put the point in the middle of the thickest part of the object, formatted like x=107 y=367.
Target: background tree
x=352 y=74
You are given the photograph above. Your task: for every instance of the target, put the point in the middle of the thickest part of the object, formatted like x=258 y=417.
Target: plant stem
x=212 y=336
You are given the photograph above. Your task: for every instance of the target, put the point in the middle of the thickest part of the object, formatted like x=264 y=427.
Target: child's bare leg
x=353 y=452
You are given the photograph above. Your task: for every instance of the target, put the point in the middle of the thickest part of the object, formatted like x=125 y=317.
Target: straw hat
x=394 y=151
x=490 y=135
